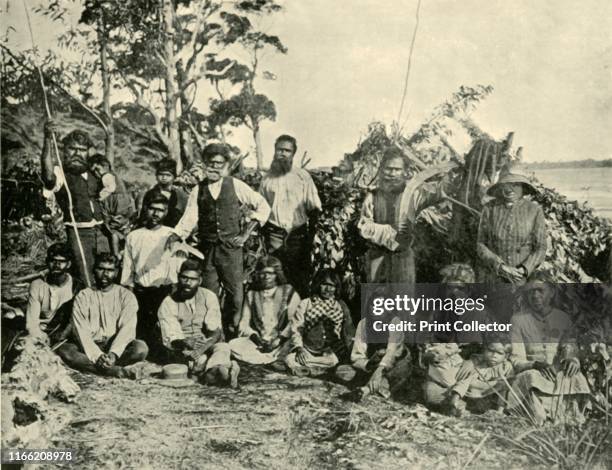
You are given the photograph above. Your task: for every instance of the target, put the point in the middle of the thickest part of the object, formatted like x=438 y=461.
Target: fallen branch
x=476 y=451
x=27 y=277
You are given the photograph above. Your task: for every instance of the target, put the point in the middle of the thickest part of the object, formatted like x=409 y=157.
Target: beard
x=75 y=167
x=280 y=167
x=393 y=187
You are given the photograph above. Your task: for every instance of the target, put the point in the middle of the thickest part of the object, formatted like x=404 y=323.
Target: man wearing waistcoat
x=390 y=258
x=84 y=188
x=215 y=207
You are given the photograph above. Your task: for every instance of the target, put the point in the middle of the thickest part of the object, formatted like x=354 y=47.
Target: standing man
x=165 y=172
x=84 y=188
x=104 y=322
x=294 y=200
x=149 y=270
x=215 y=208
x=390 y=258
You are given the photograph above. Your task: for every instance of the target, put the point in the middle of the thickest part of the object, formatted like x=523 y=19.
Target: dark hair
x=191 y=265
x=216 y=149
x=105 y=257
x=287 y=138
x=272 y=262
x=166 y=165
x=79 y=137
x=322 y=276
x=157 y=198
x=59 y=249
x=99 y=159
x=495 y=337
x=393 y=153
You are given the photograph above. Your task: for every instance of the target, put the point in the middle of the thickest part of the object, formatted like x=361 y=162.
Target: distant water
x=592 y=185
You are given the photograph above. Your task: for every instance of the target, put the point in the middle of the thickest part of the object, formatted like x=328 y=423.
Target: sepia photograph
x=309 y=234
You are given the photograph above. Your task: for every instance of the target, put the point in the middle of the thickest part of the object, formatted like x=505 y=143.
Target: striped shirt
x=514 y=235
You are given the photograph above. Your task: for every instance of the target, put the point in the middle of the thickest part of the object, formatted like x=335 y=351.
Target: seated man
x=49 y=302
x=190 y=321
x=263 y=329
x=104 y=323
x=377 y=368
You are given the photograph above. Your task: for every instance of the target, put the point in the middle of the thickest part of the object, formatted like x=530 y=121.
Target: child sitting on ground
x=117 y=205
x=448 y=377
x=492 y=372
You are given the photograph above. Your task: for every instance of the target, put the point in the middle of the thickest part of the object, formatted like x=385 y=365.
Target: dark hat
x=512 y=178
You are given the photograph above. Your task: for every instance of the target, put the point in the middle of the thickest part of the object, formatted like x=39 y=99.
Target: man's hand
x=300 y=356
x=376 y=380
x=106 y=361
x=545 y=369
x=239 y=241
x=465 y=370
x=571 y=367
x=51 y=127
x=172 y=239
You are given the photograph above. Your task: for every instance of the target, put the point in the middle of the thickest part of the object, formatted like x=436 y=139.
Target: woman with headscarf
x=511 y=234
x=544 y=347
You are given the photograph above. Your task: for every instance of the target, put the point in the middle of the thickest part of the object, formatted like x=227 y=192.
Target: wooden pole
x=59 y=160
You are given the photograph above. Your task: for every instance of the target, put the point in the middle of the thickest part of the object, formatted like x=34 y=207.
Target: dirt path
x=273 y=421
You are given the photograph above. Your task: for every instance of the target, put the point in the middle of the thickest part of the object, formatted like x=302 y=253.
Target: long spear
x=59 y=160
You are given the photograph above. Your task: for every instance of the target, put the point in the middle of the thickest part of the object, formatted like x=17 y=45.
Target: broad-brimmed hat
x=529 y=188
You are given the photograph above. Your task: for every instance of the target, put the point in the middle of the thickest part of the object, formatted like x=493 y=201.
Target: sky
x=549 y=61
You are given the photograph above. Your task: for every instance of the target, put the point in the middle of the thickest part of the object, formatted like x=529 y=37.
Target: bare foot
x=234 y=371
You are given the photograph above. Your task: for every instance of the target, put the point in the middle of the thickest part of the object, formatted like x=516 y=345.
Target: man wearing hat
x=512 y=232
x=214 y=208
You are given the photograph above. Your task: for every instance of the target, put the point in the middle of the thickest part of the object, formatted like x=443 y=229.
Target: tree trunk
x=106 y=97
x=171 y=86
x=258 y=149
x=187 y=152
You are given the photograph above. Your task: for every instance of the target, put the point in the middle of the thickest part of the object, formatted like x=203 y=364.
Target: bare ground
x=273 y=421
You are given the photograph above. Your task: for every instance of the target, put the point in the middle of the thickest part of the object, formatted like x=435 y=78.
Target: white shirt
x=146 y=260
x=180 y=320
x=291 y=197
x=246 y=196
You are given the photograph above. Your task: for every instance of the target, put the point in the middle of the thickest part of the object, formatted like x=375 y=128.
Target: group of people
x=146 y=293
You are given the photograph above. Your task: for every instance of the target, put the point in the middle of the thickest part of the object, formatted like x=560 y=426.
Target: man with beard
x=148 y=269
x=190 y=321
x=390 y=258
x=294 y=200
x=104 y=323
x=84 y=188
x=49 y=303
x=50 y=298
x=215 y=208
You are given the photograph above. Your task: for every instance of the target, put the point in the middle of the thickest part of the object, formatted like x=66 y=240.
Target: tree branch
x=91 y=112
x=202 y=74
